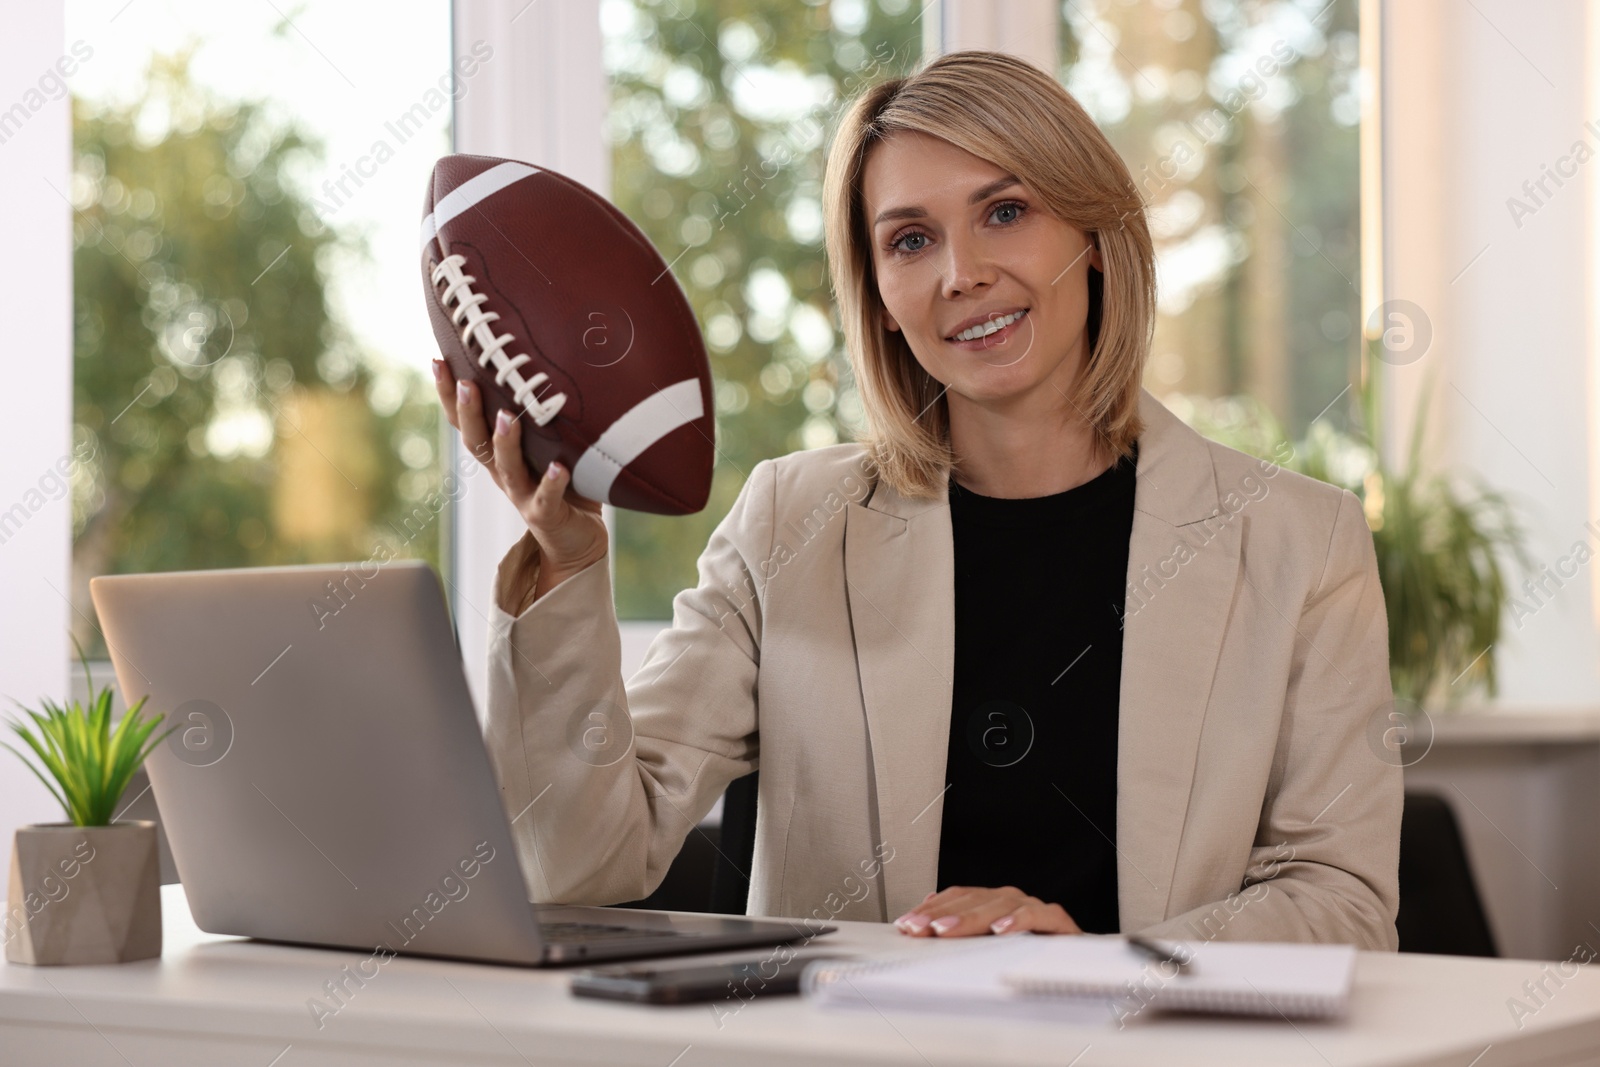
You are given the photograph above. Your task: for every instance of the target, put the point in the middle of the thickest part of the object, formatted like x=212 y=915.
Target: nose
x=966 y=267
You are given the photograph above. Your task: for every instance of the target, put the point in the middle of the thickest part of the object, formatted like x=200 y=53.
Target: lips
x=976 y=325
x=992 y=331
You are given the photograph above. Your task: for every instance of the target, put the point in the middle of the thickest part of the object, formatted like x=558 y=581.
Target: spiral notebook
x=1095 y=977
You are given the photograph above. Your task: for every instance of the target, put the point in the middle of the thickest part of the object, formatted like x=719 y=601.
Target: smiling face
x=989 y=289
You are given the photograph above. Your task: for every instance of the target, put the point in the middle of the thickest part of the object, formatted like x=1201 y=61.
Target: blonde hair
x=1002 y=109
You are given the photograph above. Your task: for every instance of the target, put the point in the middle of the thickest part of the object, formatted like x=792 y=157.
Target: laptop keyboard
x=569 y=933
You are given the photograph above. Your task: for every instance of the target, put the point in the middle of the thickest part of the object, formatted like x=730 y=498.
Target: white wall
x=1477 y=97
x=36 y=405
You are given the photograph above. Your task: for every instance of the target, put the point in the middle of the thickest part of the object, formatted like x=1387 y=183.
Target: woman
x=1032 y=656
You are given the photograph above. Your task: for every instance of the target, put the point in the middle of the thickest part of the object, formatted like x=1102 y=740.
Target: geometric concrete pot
x=83 y=894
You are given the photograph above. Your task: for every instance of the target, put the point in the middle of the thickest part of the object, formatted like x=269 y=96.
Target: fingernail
x=1000 y=926
x=462 y=395
x=502 y=422
x=553 y=471
x=911 y=922
x=438 y=370
x=946 y=924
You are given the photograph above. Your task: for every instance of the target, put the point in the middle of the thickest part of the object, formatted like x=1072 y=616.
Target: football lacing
x=458 y=287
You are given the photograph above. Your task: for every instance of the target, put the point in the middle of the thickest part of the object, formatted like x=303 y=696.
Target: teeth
x=985 y=329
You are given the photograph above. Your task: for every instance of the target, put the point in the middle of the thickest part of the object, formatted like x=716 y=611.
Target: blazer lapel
x=900 y=577
x=900 y=574
x=1183 y=564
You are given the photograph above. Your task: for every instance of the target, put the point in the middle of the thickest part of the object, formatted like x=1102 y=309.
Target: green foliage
x=1238 y=121
x=1440 y=546
x=1439 y=554
x=231 y=418
x=89 y=762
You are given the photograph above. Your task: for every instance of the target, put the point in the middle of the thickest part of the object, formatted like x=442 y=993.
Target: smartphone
x=690 y=982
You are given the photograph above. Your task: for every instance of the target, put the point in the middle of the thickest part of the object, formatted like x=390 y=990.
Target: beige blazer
x=1253 y=799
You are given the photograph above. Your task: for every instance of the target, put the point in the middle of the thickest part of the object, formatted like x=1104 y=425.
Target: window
x=1239 y=120
x=251 y=349
x=720 y=114
x=251 y=354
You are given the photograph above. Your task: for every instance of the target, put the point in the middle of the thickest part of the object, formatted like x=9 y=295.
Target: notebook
x=956 y=977
x=1095 y=978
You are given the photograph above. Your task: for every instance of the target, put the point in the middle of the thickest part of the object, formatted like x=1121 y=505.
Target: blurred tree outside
x=1240 y=121
x=721 y=111
x=233 y=419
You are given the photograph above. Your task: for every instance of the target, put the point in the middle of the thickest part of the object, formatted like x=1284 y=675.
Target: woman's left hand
x=963 y=911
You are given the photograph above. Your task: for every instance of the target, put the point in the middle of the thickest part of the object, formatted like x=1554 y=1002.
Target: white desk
x=219 y=1001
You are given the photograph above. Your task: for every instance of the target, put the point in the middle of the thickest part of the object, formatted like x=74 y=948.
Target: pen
x=1177 y=956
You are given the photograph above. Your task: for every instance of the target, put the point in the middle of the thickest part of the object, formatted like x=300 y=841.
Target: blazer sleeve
x=1325 y=861
x=603 y=780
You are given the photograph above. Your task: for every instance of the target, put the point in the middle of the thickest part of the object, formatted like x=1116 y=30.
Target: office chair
x=712 y=870
x=1440 y=910
x=730 y=877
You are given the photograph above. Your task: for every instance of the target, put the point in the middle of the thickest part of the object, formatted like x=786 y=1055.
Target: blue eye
x=1008 y=205
x=898 y=244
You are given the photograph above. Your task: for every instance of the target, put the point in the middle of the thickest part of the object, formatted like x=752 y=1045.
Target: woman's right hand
x=568 y=527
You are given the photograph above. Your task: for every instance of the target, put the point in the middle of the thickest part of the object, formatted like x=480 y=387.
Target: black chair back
x=711 y=872
x=1440 y=910
x=730 y=878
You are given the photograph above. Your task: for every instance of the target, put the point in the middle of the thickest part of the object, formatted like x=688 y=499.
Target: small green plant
x=90 y=762
x=1439 y=545
x=1439 y=556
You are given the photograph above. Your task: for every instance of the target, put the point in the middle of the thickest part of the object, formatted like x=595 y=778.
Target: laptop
x=328 y=783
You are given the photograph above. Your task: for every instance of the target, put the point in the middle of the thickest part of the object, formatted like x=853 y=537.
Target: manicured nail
x=462 y=394
x=1000 y=926
x=911 y=922
x=946 y=924
x=553 y=471
x=502 y=423
x=438 y=370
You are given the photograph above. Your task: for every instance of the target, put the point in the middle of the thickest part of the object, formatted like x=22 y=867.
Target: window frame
x=551 y=54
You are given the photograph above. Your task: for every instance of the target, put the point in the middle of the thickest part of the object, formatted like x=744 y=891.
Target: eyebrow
x=978 y=196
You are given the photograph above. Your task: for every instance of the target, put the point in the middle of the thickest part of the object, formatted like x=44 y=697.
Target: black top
x=1032 y=768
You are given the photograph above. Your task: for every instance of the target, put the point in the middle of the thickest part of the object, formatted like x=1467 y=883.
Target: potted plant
x=1439 y=543
x=88 y=890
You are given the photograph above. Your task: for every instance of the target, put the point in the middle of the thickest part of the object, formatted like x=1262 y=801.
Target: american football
x=554 y=302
